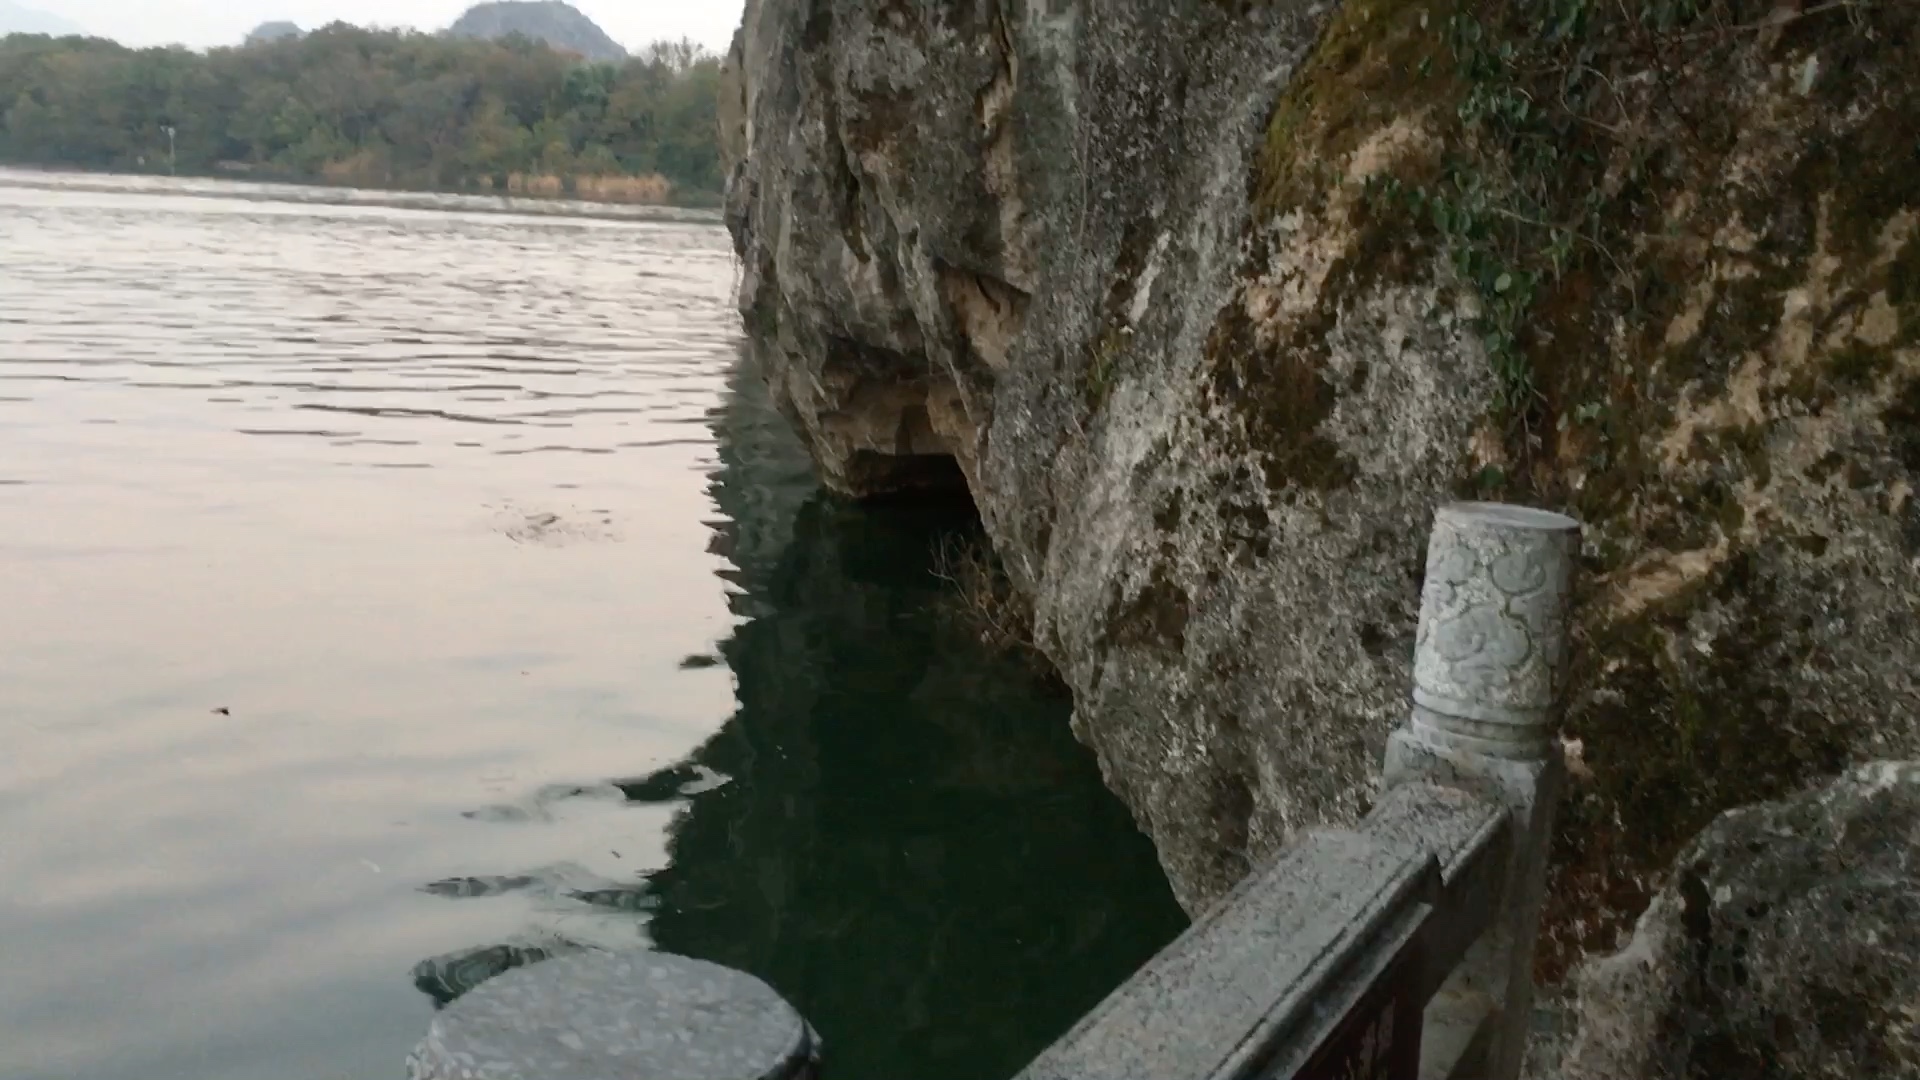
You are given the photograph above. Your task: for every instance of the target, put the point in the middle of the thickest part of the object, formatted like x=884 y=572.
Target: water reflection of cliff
x=911 y=846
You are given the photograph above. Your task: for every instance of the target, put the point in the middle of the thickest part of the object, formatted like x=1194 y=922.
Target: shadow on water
x=896 y=828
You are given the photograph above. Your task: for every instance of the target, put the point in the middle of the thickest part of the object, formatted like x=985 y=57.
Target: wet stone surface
x=614 y=1016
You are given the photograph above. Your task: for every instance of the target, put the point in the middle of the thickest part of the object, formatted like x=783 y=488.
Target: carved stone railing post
x=1488 y=669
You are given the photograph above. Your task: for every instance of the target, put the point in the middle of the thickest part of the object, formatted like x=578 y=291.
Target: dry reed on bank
x=983 y=600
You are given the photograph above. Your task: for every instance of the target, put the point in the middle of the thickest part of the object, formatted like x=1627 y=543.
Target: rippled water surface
x=390 y=595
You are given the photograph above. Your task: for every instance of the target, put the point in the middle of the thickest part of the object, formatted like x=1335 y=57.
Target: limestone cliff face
x=1801 y=908
x=1209 y=303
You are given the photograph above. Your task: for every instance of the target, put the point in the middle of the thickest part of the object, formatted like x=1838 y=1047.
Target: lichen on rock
x=1786 y=945
x=1211 y=303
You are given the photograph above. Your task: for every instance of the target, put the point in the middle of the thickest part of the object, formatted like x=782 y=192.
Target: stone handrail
x=1400 y=947
x=1321 y=962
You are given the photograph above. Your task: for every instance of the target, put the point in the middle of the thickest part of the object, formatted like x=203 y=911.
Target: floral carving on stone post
x=1490 y=655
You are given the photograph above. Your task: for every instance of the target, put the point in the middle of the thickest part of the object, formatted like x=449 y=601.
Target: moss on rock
x=1373 y=59
x=1687 y=228
x=1282 y=391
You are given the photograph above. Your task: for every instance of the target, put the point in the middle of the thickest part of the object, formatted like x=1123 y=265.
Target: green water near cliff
x=916 y=850
x=895 y=829
x=393 y=595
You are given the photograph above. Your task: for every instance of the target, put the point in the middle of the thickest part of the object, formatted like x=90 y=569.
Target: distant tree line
x=377 y=108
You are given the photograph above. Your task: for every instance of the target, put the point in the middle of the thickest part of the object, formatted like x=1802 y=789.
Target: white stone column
x=1489 y=666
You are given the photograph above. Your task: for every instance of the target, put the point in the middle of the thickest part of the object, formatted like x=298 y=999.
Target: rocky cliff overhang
x=1209 y=303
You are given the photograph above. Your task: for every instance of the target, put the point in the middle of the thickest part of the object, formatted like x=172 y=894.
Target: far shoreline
x=320 y=194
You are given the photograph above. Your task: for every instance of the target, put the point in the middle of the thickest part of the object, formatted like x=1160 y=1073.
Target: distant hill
x=273 y=31
x=560 y=25
x=16 y=19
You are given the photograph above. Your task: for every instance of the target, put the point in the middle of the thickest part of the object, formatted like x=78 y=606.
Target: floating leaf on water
x=636 y=898
x=499 y=814
x=464 y=888
x=665 y=785
x=707 y=780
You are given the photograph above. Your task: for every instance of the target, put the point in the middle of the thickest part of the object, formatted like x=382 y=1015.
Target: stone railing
x=1400 y=947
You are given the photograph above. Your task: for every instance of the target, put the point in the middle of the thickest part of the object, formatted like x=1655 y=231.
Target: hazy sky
x=201 y=23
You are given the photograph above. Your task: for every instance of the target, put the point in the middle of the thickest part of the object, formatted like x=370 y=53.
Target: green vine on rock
x=1579 y=194
x=1520 y=200
x=1550 y=170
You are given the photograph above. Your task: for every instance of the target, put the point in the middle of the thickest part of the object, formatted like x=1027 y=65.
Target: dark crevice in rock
x=1233 y=801
x=1902 y=418
x=1232 y=807
x=842 y=180
x=894 y=476
x=1157 y=615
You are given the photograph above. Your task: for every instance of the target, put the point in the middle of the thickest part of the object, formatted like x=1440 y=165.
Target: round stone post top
x=618 y=1016
x=1490 y=656
x=1503 y=517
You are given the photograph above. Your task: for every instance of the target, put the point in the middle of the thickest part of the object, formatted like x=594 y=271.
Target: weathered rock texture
x=1787 y=946
x=1212 y=302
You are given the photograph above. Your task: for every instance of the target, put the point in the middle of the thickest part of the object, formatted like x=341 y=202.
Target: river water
x=390 y=595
